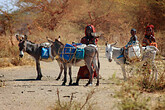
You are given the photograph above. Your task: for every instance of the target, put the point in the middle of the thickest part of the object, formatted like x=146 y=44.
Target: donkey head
x=56 y=45
x=109 y=51
x=22 y=44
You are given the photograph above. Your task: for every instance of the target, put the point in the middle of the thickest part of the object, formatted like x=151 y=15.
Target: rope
x=70 y=59
x=73 y=56
x=136 y=54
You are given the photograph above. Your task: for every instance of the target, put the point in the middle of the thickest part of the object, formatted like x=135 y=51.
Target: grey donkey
x=91 y=59
x=35 y=51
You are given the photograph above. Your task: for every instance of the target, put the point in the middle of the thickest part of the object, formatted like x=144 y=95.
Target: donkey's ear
x=59 y=38
x=49 y=40
x=25 y=37
x=106 y=43
x=114 y=44
x=17 y=37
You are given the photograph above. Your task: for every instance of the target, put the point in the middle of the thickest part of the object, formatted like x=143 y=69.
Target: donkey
x=91 y=56
x=149 y=53
x=35 y=51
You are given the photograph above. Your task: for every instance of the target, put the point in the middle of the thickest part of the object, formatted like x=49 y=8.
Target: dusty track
x=23 y=92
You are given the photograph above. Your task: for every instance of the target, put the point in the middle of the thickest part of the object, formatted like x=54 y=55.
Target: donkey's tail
x=98 y=59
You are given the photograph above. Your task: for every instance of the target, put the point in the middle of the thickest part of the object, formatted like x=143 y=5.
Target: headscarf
x=152 y=27
x=93 y=28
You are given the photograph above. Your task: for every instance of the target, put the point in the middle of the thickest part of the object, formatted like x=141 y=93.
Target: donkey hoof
x=38 y=78
x=97 y=84
x=70 y=84
x=57 y=79
x=63 y=84
x=75 y=84
x=88 y=84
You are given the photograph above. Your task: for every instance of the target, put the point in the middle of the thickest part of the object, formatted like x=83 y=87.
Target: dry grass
x=114 y=18
x=73 y=105
x=147 y=81
x=9 y=54
x=134 y=98
x=133 y=101
x=160 y=105
x=160 y=40
x=135 y=93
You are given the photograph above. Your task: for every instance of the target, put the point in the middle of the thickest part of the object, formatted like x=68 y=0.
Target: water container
x=80 y=53
x=134 y=52
x=45 y=53
x=68 y=52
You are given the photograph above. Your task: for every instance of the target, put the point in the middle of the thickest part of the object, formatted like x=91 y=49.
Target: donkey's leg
x=97 y=72
x=70 y=75
x=77 y=81
x=89 y=65
x=39 y=74
x=124 y=72
x=155 y=71
x=65 y=74
x=90 y=76
x=61 y=70
x=78 y=77
x=96 y=68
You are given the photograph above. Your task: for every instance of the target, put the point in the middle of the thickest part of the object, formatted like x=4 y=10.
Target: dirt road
x=23 y=92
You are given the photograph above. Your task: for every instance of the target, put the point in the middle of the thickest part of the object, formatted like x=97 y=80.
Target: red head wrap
x=152 y=27
x=93 y=28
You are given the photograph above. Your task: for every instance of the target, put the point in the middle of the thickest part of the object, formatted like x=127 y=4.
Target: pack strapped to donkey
x=71 y=52
x=133 y=53
x=46 y=54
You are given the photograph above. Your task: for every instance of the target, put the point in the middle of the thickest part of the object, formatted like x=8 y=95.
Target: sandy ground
x=23 y=92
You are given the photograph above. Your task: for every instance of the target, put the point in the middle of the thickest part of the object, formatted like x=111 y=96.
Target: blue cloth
x=133 y=40
x=76 y=44
x=45 y=53
x=120 y=56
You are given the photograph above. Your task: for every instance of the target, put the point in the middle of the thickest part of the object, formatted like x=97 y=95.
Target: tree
x=47 y=12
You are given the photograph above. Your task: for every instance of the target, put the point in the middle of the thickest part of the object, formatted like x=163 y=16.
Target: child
x=133 y=40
